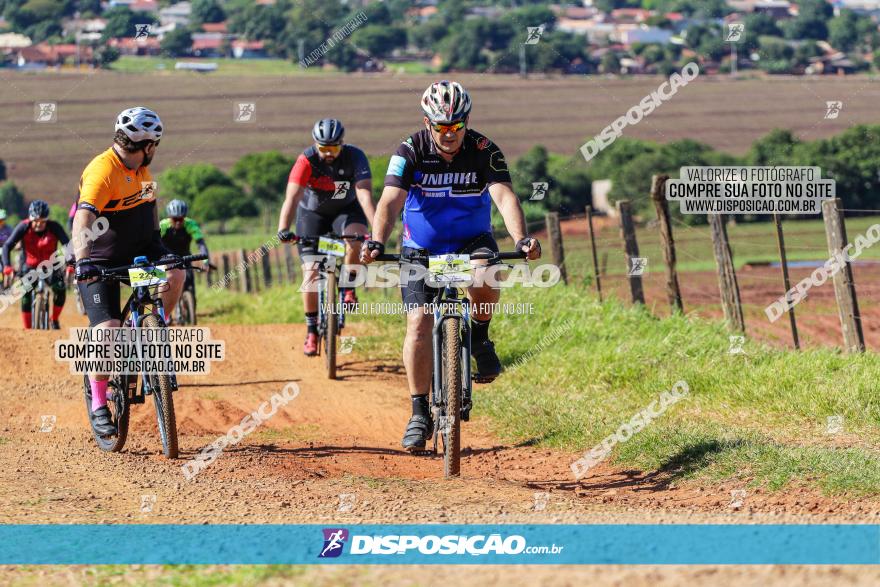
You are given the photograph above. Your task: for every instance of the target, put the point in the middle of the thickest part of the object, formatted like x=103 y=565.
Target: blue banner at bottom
x=440 y=544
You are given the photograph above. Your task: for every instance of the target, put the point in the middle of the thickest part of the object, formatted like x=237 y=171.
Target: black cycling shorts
x=416 y=291
x=100 y=300
x=311 y=223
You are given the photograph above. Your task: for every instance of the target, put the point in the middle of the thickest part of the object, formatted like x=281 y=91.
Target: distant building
x=248 y=49
x=631 y=15
x=644 y=34
x=215 y=27
x=176 y=14
x=14 y=41
x=130 y=46
x=136 y=5
x=775 y=8
x=207 y=44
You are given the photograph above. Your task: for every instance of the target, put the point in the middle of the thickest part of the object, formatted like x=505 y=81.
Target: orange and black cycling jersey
x=125 y=197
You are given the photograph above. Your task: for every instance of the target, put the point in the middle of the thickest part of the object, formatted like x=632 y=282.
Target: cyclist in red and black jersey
x=330 y=188
x=39 y=238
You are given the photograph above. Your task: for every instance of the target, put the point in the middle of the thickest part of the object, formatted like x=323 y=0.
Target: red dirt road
x=336 y=437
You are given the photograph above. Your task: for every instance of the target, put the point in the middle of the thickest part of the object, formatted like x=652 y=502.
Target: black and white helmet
x=176 y=209
x=446 y=102
x=328 y=131
x=38 y=209
x=139 y=124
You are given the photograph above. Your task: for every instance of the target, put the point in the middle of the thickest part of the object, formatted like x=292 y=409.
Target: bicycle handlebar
x=491 y=256
x=185 y=260
x=311 y=239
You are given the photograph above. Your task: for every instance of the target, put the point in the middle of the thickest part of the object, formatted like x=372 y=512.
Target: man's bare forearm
x=291 y=201
x=364 y=192
x=82 y=221
x=514 y=218
x=387 y=211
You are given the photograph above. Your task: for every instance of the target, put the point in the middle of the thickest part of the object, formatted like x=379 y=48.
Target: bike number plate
x=332 y=247
x=141 y=277
x=449 y=268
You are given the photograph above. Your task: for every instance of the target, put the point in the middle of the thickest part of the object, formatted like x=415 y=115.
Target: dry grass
x=561 y=113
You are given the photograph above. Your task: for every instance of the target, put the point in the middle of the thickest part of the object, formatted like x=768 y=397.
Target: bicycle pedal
x=477 y=378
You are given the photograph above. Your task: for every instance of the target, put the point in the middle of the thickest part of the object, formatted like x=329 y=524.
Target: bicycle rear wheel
x=163 y=400
x=332 y=326
x=450 y=424
x=117 y=402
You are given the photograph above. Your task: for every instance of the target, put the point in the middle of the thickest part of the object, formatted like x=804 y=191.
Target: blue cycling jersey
x=447 y=203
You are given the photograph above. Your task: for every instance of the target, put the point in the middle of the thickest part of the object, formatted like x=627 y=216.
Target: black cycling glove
x=376 y=246
x=524 y=242
x=85 y=269
x=169 y=259
x=286 y=236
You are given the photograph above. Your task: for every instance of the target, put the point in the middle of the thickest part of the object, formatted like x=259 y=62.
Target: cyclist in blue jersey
x=444 y=179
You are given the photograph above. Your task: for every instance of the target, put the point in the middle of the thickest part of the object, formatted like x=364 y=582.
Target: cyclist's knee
x=176 y=277
x=419 y=323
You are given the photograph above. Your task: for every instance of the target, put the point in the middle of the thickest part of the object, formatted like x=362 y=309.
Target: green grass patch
x=576 y=370
x=753 y=242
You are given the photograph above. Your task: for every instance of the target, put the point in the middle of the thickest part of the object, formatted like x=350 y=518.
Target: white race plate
x=140 y=277
x=332 y=247
x=449 y=268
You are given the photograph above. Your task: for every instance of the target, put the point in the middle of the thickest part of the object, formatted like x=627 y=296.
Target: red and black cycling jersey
x=37 y=246
x=329 y=187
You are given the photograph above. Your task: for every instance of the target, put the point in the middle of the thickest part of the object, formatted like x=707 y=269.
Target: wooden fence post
x=844 y=284
x=276 y=256
x=593 y=247
x=245 y=272
x=631 y=248
x=554 y=233
x=658 y=194
x=730 y=300
x=783 y=261
x=224 y=267
x=267 y=266
x=289 y=262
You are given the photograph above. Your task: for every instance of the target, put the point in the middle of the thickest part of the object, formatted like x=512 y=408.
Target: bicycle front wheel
x=332 y=326
x=163 y=400
x=40 y=313
x=450 y=423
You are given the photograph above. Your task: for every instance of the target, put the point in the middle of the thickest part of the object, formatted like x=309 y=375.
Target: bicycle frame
x=140 y=298
x=323 y=269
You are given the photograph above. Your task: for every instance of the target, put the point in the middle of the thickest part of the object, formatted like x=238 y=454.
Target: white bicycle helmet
x=140 y=124
x=446 y=102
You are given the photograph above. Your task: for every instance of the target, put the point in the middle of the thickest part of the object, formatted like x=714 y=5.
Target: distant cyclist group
x=441 y=182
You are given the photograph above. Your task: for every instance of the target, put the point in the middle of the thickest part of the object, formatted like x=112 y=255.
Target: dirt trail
x=336 y=437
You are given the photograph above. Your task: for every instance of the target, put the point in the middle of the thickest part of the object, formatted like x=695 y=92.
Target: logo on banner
x=334 y=540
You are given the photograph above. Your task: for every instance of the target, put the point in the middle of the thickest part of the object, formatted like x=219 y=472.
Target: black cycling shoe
x=102 y=422
x=55 y=325
x=418 y=430
x=488 y=365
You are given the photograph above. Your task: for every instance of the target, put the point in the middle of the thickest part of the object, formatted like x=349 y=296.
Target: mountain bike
x=451 y=383
x=331 y=314
x=143 y=309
